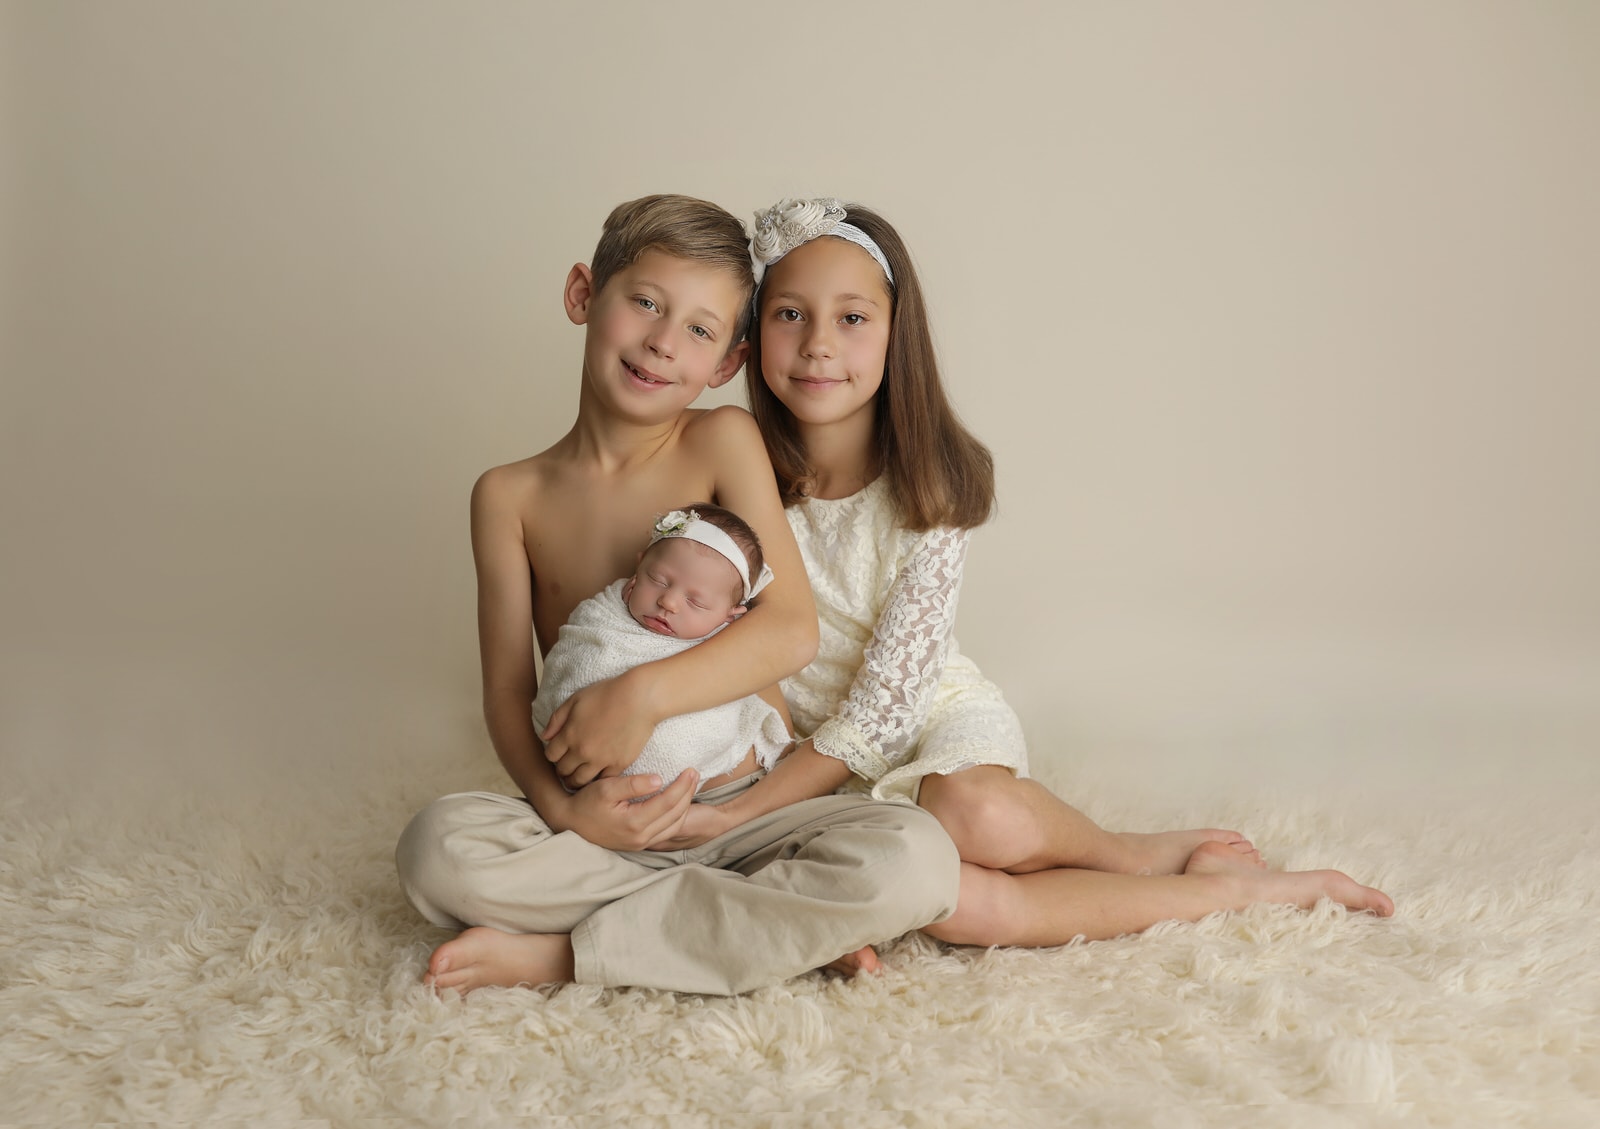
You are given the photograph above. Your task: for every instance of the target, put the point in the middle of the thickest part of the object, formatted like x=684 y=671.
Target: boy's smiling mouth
x=644 y=377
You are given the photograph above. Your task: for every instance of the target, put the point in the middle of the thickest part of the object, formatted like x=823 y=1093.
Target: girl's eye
x=853 y=319
x=646 y=304
x=697 y=605
x=787 y=313
x=701 y=332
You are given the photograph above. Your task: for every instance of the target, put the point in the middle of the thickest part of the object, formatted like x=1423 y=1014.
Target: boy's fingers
x=575 y=771
x=557 y=720
x=620 y=789
x=623 y=789
x=670 y=822
x=669 y=807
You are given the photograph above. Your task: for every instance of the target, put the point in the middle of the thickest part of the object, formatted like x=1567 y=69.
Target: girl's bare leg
x=1005 y=823
x=1051 y=907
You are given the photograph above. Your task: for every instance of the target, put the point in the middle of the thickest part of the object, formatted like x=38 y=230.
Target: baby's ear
x=738 y=610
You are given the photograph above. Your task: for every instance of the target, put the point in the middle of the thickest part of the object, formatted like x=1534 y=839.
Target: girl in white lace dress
x=883 y=486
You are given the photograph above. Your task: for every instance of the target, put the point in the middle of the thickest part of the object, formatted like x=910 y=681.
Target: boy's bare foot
x=864 y=959
x=484 y=957
x=1168 y=852
x=1303 y=888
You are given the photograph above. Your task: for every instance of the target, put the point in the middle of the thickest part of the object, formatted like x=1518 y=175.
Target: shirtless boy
x=664 y=306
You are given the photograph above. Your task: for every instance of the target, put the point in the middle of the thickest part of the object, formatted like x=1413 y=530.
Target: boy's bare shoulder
x=522 y=480
x=721 y=428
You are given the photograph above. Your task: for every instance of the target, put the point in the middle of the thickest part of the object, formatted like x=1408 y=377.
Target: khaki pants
x=774 y=897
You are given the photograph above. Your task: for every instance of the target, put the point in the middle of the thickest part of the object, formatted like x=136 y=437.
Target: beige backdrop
x=1280 y=320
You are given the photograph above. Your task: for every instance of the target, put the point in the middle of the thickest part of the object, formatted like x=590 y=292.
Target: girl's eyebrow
x=849 y=297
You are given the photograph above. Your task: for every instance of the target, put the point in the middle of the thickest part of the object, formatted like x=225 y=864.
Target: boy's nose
x=662 y=342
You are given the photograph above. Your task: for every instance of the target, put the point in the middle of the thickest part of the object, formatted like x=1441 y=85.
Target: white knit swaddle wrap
x=602 y=640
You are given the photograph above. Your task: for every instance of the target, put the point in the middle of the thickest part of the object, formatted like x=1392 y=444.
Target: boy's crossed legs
x=775 y=897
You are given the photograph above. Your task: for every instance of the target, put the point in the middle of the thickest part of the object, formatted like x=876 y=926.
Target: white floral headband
x=689 y=525
x=791 y=223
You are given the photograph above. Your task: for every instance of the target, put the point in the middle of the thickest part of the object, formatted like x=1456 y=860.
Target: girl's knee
x=986 y=814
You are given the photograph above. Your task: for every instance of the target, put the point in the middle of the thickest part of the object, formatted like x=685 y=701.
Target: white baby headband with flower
x=791 y=223
x=691 y=527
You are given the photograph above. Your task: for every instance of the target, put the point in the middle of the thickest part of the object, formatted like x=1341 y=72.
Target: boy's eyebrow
x=702 y=314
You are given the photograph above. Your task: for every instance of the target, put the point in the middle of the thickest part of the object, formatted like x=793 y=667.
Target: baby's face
x=683 y=589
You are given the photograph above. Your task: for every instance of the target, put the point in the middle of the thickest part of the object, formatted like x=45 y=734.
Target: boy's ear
x=730 y=365
x=579 y=292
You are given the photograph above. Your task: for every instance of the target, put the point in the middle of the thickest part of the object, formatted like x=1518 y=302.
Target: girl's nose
x=818 y=344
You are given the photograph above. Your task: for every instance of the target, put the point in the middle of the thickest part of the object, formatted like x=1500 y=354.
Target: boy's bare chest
x=588 y=533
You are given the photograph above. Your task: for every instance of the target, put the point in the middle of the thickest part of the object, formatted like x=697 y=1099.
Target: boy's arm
x=603 y=814
x=604 y=726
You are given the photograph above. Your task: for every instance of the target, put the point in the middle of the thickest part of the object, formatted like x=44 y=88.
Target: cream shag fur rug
x=253 y=961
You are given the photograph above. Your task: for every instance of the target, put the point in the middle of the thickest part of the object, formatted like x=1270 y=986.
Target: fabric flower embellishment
x=788 y=224
x=671 y=525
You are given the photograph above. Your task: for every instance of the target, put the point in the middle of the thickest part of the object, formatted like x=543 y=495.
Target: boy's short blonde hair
x=685 y=228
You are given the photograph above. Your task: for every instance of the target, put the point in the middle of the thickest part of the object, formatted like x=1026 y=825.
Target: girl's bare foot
x=864 y=959
x=1214 y=854
x=1303 y=888
x=1168 y=852
x=484 y=957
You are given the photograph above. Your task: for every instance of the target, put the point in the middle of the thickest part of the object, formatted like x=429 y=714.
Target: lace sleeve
x=879 y=721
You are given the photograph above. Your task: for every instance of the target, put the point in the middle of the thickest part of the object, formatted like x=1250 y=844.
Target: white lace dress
x=888 y=693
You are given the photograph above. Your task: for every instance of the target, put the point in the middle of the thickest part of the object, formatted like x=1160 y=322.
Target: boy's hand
x=598 y=731
x=610 y=814
x=701 y=824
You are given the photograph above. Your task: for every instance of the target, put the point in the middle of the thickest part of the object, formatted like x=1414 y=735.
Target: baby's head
x=701 y=569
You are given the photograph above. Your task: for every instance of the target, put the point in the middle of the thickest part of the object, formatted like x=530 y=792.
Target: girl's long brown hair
x=939 y=474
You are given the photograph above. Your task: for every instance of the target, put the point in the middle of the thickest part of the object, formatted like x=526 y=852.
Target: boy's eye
x=646 y=304
x=701 y=332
